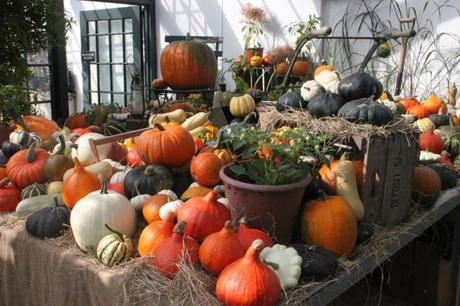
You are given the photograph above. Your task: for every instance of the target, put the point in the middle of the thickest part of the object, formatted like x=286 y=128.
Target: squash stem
x=114 y=231
x=179 y=228
x=4 y=182
x=62 y=147
x=104 y=186
x=30 y=157
x=149 y=171
x=274 y=265
x=56 y=202
x=159 y=126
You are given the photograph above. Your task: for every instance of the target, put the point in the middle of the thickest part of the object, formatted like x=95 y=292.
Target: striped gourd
x=24 y=138
x=33 y=191
x=114 y=248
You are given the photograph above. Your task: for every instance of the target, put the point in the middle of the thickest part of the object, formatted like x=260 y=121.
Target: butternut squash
x=178 y=115
x=195 y=121
x=345 y=180
x=102 y=169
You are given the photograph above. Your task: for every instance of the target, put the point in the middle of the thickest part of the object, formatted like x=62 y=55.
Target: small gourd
x=114 y=248
x=33 y=191
x=311 y=89
x=49 y=221
x=168 y=211
x=285 y=262
x=242 y=106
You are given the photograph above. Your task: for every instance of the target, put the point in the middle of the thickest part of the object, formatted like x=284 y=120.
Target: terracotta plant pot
x=250 y=52
x=300 y=67
x=272 y=208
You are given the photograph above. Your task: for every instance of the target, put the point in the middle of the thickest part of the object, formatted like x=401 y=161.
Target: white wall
x=73 y=48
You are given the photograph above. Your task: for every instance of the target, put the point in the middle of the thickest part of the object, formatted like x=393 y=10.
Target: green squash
x=33 y=191
x=325 y=105
x=359 y=85
x=366 y=110
x=439 y=120
x=49 y=221
x=291 y=99
x=149 y=179
x=28 y=206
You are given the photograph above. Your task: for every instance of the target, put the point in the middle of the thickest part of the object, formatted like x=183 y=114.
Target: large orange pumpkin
x=300 y=67
x=42 y=126
x=329 y=222
x=77 y=120
x=169 y=145
x=27 y=166
x=205 y=169
x=188 y=65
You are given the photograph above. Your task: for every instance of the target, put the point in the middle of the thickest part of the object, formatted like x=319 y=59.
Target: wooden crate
x=387 y=178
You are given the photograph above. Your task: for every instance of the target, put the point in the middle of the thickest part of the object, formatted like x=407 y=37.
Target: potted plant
x=267 y=180
x=253 y=27
x=14 y=103
x=302 y=29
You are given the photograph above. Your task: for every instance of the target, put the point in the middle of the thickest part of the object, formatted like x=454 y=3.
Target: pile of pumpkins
x=102 y=201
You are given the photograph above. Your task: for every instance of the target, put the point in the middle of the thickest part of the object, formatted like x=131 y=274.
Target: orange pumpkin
x=27 y=166
x=329 y=222
x=246 y=235
x=152 y=235
x=205 y=169
x=426 y=185
x=159 y=84
x=77 y=120
x=188 y=65
x=9 y=195
x=220 y=249
x=300 y=67
x=324 y=66
x=224 y=155
x=151 y=208
x=419 y=111
x=169 y=145
x=433 y=104
x=42 y=126
x=198 y=191
x=281 y=68
x=248 y=281
x=79 y=184
x=408 y=103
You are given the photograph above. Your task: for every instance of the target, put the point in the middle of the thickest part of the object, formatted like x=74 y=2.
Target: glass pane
x=91 y=27
x=105 y=99
x=38 y=58
x=119 y=99
x=39 y=83
x=94 y=98
x=43 y=110
x=117 y=48
x=116 y=26
x=128 y=25
x=129 y=48
x=117 y=78
x=102 y=27
x=93 y=76
x=104 y=78
x=129 y=73
x=92 y=43
x=104 y=55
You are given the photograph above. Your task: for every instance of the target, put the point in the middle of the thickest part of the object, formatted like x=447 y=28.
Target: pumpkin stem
x=104 y=186
x=159 y=126
x=228 y=226
x=4 y=182
x=243 y=220
x=30 y=157
x=274 y=265
x=62 y=147
x=136 y=189
x=179 y=228
x=56 y=202
x=76 y=163
x=166 y=119
x=149 y=171
x=211 y=197
x=255 y=248
x=114 y=231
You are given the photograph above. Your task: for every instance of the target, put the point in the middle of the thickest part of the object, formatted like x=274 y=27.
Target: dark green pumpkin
x=366 y=110
x=182 y=181
x=49 y=222
x=149 y=179
x=439 y=120
x=448 y=176
x=33 y=191
x=3 y=158
x=325 y=105
x=256 y=94
x=359 y=85
x=9 y=148
x=291 y=99
x=317 y=262
x=365 y=233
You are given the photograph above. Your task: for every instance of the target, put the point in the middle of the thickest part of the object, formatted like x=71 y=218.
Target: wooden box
x=387 y=177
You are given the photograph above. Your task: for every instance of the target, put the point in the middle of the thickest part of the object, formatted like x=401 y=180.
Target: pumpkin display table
x=55 y=272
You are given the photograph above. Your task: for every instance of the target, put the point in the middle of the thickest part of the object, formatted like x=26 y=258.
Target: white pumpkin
x=169 y=193
x=118 y=177
x=90 y=215
x=329 y=80
x=311 y=89
x=84 y=152
x=138 y=201
x=168 y=211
